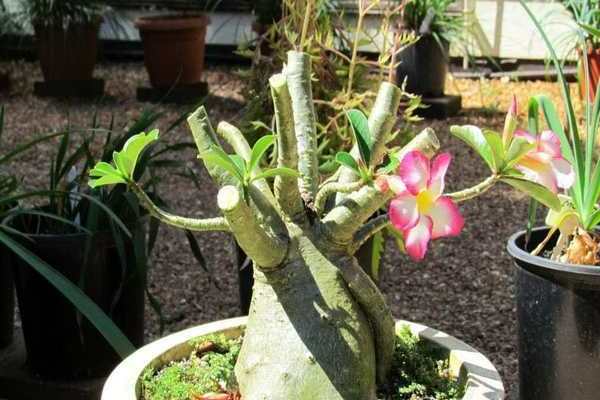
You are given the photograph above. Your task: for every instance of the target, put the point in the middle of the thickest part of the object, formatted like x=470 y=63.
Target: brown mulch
x=464 y=287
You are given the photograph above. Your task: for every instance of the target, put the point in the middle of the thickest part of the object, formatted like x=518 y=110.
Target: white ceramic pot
x=481 y=378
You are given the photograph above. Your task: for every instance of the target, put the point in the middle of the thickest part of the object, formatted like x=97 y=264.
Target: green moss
x=203 y=372
x=419 y=372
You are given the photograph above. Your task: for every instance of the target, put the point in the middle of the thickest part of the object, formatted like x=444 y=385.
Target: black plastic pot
x=61 y=343
x=558 y=312
x=7 y=299
x=425 y=66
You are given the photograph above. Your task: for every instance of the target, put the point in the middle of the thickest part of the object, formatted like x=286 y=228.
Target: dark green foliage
x=60 y=13
x=203 y=372
x=419 y=372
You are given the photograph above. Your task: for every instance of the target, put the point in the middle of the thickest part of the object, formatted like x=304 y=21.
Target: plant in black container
x=425 y=64
x=98 y=239
x=558 y=266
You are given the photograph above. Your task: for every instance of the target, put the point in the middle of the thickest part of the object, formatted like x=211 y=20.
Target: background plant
x=347 y=79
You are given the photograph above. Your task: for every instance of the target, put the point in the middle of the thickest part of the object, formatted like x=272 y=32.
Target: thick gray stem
x=264 y=248
x=286 y=187
x=205 y=138
x=298 y=74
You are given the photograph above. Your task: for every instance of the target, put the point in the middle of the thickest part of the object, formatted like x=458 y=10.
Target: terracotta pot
x=593 y=59
x=68 y=54
x=481 y=380
x=173 y=48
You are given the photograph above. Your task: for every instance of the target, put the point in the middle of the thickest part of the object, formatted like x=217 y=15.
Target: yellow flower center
x=424 y=201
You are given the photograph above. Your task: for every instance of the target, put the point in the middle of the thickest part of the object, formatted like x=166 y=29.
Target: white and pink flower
x=419 y=210
x=545 y=164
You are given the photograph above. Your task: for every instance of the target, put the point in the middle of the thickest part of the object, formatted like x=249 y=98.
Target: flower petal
x=403 y=211
x=539 y=173
x=395 y=184
x=439 y=166
x=446 y=218
x=525 y=135
x=563 y=171
x=549 y=143
x=414 y=171
x=417 y=238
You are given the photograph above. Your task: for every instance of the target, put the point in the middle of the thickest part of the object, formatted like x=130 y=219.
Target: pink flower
x=419 y=210
x=545 y=164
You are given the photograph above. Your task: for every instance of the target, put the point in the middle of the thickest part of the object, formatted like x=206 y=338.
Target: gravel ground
x=465 y=286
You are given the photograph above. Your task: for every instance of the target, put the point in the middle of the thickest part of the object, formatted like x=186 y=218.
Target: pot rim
x=523 y=256
x=172 y=22
x=482 y=380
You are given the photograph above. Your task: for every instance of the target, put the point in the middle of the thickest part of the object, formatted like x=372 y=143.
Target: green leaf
x=258 y=151
x=591 y=30
x=594 y=220
x=87 y=307
x=106 y=180
x=281 y=171
x=360 y=128
x=391 y=166
x=347 y=160
x=534 y=190
x=126 y=159
x=240 y=163
x=218 y=157
x=473 y=136
x=518 y=148
x=495 y=141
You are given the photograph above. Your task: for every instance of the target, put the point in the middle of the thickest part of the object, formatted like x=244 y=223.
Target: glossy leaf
x=534 y=190
x=474 y=137
x=347 y=160
x=360 y=128
x=517 y=149
x=134 y=146
x=258 y=151
x=495 y=142
x=218 y=157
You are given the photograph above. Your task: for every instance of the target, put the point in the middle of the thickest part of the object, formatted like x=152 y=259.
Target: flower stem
x=476 y=190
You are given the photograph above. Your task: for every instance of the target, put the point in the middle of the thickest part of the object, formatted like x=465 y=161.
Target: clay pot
x=68 y=54
x=593 y=60
x=173 y=48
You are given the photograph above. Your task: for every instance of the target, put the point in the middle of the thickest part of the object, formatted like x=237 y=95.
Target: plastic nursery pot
x=593 y=61
x=558 y=314
x=68 y=54
x=7 y=299
x=425 y=66
x=481 y=380
x=173 y=48
x=60 y=342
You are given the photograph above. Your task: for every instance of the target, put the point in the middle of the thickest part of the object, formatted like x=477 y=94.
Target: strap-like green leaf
x=360 y=128
x=281 y=171
x=473 y=136
x=535 y=190
x=347 y=160
x=258 y=151
x=239 y=163
x=594 y=220
x=87 y=307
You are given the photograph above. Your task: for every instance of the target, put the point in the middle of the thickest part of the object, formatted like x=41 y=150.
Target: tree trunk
x=307 y=337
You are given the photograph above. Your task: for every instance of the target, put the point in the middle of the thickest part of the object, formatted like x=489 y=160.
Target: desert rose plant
x=319 y=327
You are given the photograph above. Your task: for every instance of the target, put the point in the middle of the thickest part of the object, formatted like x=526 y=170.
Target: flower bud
x=510 y=123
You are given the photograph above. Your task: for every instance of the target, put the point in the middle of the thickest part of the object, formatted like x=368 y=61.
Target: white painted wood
x=482 y=380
